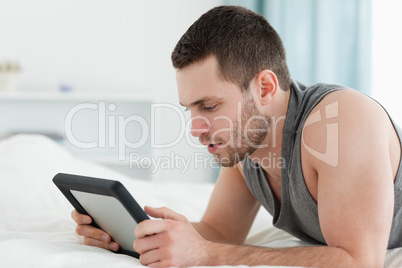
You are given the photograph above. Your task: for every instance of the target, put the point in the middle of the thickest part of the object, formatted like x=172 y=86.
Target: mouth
x=213 y=147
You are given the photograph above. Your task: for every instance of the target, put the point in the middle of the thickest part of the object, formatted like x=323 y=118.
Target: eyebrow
x=201 y=101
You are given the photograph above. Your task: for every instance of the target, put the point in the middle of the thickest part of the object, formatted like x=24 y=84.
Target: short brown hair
x=243 y=42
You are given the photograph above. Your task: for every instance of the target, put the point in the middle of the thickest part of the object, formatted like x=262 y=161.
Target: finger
x=150 y=258
x=80 y=218
x=89 y=241
x=164 y=213
x=149 y=227
x=148 y=243
x=92 y=232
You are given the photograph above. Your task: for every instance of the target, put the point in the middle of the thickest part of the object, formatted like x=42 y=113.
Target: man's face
x=223 y=119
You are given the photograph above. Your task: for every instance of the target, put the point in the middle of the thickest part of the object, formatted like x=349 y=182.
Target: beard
x=248 y=137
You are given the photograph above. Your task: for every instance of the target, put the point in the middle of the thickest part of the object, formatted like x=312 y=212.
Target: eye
x=187 y=109
x=210 y=108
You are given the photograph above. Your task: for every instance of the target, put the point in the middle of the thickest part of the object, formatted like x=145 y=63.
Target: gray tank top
x=298 y=212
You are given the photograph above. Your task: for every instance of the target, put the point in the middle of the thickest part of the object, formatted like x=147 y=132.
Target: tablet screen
x=110 y=215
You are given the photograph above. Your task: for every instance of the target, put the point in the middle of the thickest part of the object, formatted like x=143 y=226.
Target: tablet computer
x=110 y=205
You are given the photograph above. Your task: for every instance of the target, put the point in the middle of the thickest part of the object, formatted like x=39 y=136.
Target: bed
x=35 y=225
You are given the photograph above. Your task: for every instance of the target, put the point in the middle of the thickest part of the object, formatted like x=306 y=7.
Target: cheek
x=224 y=129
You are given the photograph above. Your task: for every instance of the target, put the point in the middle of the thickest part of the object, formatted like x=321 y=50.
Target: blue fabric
x=325 y=40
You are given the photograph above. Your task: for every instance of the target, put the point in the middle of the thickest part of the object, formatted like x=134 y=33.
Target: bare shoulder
x=349 y=104
x=344 y=119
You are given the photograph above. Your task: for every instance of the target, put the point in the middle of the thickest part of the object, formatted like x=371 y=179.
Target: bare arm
x=356 y=196
x=231 y=209
x=174 y=242
x=320 y=256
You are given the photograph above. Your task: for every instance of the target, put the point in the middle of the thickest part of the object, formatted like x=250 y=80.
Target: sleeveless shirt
x=297 y=214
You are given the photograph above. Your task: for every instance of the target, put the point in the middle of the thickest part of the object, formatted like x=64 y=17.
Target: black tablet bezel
x=66 y=182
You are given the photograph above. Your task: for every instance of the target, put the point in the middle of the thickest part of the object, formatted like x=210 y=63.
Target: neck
x=269 y=156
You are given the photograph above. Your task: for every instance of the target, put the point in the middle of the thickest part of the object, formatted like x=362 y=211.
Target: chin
x=226 y=165
x=227 y=161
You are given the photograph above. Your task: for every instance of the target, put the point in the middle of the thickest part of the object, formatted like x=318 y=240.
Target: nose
x=199 y=125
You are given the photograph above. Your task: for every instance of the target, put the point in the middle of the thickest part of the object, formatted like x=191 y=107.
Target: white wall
x=102 y=47
x=387 y=56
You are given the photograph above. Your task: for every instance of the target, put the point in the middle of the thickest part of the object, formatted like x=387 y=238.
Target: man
x=337 y=184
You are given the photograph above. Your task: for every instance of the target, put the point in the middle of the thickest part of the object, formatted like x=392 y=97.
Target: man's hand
x=172 y=241
x=92 y=236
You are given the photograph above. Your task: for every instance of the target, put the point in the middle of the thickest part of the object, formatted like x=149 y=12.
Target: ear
x=267 y=83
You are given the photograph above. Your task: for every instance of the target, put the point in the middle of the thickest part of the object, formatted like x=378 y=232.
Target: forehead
x=202 y=80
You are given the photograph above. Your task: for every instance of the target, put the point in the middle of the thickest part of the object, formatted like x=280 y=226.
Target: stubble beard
x=245 y=145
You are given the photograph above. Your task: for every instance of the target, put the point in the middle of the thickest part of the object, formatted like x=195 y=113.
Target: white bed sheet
x=35 y=225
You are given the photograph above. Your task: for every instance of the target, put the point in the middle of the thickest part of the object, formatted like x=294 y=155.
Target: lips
x=213 y=147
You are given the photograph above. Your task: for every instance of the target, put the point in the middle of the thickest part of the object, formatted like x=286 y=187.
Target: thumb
x=164 y=213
